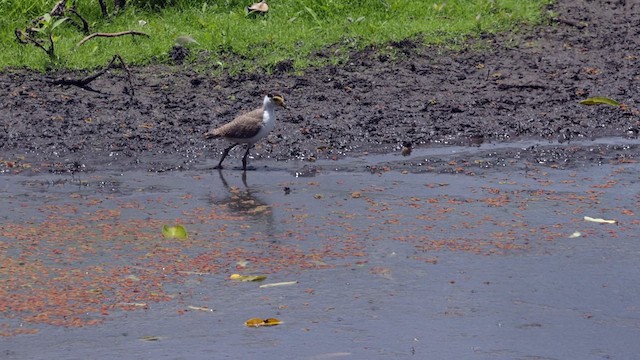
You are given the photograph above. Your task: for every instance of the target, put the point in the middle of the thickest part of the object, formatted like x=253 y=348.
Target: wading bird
x=248 y=128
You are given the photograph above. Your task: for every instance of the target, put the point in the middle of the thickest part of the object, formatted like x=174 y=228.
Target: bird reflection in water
x=244 y=202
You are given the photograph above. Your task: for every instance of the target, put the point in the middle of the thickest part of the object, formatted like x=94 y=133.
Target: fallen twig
x=128 y=32
x=577 y=24
x=85 y=24
x=103 y=9
x=504 y=86
x=26 y=38
x=84 y=82
x=59 y=8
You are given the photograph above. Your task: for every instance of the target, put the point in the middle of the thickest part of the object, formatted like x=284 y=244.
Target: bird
x=248 y=128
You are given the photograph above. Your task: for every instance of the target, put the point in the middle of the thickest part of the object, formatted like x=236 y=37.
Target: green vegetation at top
x=221 y=35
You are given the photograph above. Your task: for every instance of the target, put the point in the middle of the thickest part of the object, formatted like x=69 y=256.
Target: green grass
x=230 y=40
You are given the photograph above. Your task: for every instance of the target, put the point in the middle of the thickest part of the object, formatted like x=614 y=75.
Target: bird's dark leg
x=224 y=155
x=244 y=159
x=244 y=179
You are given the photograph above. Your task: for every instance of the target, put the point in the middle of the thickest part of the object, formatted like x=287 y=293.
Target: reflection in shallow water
x=389 y=265
x=244 y=201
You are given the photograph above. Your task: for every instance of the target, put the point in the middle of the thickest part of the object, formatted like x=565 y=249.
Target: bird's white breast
x=268 y=118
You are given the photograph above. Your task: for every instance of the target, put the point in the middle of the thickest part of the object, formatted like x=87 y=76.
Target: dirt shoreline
x=524 y=85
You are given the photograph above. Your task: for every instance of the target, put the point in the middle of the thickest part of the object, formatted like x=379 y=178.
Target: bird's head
x=278 y=100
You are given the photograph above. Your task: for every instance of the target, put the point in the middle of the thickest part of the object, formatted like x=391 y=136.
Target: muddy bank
x=507 y=87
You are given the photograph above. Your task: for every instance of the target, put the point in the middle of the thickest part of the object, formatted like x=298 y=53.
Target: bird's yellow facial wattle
x=279 y=100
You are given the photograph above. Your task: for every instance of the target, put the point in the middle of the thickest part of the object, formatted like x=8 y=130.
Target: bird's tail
x=211 y=134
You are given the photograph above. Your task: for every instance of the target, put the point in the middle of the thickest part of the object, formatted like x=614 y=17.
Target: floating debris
x=257 y=322
x=174 y=232
x=238 y=277
x=600 y=221
x=279 y=284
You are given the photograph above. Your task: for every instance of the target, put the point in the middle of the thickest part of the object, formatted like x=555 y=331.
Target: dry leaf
x=256 y=322
x=260 y=8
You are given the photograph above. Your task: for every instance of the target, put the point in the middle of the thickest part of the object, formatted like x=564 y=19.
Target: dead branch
x=504 y=86
x=103 y=9
x=85 y=24
x=28 y=38
x=84 y=82
x=24 y=38
x=128 y=32
x=119 y=4
x=59 y=8
x=577 y=24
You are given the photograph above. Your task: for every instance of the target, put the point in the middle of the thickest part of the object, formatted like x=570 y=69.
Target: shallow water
x=387 y=264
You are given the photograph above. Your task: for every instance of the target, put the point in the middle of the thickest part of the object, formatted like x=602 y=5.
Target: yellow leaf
x=272 y=322
x=174 y=232
x=256 y=322
x=238 y=277
x=599 y=100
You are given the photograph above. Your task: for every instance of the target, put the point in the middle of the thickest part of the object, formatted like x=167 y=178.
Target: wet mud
x=500 y=88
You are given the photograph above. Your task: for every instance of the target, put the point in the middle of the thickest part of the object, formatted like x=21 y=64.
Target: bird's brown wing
x=243 y=127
